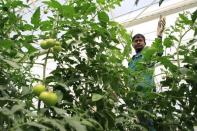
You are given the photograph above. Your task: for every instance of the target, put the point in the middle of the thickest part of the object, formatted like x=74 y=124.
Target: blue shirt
x=143 y=73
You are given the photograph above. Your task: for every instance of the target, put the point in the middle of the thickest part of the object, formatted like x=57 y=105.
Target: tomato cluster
x=49 y=98
x=51 y=43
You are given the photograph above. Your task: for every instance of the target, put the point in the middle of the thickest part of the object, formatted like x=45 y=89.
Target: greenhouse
x=98 y=65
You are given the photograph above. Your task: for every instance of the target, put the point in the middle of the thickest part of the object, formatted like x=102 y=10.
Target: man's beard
x=138 y=50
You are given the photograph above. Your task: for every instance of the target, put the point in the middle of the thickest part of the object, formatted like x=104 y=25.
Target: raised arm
x=161 y=26
x=160 y=29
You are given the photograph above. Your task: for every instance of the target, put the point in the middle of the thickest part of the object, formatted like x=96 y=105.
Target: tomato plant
x=89 y=89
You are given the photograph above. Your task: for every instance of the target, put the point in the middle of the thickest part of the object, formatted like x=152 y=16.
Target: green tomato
x=57 y=48
x=38 y=89
x=45 y=11
x=111 y=102
x=43 y=44
x=184 y=70
x=57 y=43
x=50 y=42
x=44 y=95
x=49 y=98
x=52 y=99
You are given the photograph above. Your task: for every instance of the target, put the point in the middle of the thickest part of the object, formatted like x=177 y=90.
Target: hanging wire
x=144 y=9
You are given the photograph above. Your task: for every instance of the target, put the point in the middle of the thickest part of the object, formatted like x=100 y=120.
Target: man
x=146 y=81
x=144 y=72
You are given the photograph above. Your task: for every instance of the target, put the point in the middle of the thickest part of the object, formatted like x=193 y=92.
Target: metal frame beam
x=187 y=4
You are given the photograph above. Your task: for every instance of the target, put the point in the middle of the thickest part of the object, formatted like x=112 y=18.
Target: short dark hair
x=138 y=35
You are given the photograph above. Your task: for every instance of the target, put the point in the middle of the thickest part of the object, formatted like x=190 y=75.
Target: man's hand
x=161 y=26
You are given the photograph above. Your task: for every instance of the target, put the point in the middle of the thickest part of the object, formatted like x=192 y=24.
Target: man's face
x=138 y=43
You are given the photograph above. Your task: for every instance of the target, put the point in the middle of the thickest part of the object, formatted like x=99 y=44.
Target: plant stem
x=177 y=50
x=179 y=44
x=44 y=74
x=32 y=63
x=44 y=66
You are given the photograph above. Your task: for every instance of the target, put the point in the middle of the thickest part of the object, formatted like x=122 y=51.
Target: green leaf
x=148 y=52
x=195 y=32
x=173 y=38
x=34 y=124
x=62 y=85
x=5 y=111
x=26 y=90
x=101 y=2
x=30 y=48
x=16 y=108
x=151 y=95
x=11 y=63
x=35 y=19
x=54 y=4
x=59 y=111
x=55 y=123
x=13 y=18
x=160 y=2
x=194 y=16
x=6 y=43
x=87 y=123
x=158 y=45
x=76 y=124
x=46 y=25
x=60 y=96
x=15 y=4
x=167 y=42
x=96 y=123
x=27 y=27
x=145 y=112
x=7 y=99
x=103 y=17
x=184 y=19
x=96 y=97
x=68 y=11
x=127 y=39
x=168 y=64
